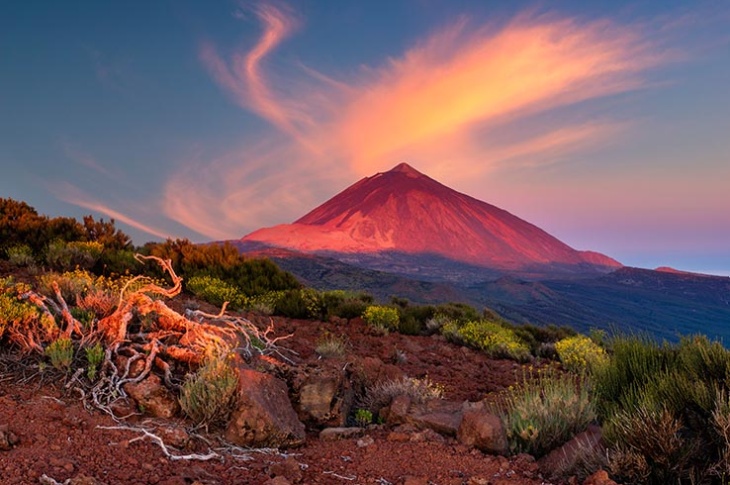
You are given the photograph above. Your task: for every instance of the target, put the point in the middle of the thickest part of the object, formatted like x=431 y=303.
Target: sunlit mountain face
x=403 y=211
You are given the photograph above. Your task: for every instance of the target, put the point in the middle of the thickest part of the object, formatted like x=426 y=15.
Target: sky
x=605 y=123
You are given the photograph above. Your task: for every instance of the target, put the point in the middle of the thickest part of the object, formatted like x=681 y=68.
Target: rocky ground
x=48 y=436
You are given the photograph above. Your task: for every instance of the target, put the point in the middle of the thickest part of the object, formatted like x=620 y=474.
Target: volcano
x=404 y=212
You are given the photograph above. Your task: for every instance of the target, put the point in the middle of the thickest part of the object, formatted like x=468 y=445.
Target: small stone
x=364 y=442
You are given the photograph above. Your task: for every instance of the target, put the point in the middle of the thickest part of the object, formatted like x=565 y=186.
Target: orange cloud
x=456 y=104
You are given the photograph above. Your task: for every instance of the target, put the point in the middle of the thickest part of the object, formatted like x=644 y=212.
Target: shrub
x=494 y=339
x=382 y=393
x=363 y=417
x=71 y=283
x=15 y=313
x=94 y=357
x=663 y=409
x=330 y=346
x=580 y=354
x=61 y=353
x=209 y=396
x=20 y=255
x=382 y=318
x=292 y=304
x=65 y=256
x=545 y=411
x=216 y=292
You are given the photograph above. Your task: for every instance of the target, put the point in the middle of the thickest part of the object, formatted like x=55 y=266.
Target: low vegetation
x=664 y=409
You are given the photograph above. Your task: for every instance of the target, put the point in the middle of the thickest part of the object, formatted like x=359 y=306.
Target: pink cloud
x=73 y=195
x=455 y=104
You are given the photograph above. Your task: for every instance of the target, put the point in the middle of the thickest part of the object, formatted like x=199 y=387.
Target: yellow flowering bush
x=216 y=291
x=381 y=318
x=580 y=354
x=494 y=339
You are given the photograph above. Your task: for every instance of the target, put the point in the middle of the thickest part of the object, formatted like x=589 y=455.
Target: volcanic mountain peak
x=407 y=169
x=405 y=211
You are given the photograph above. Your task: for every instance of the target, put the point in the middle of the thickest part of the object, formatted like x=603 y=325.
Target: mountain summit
x=406 y=212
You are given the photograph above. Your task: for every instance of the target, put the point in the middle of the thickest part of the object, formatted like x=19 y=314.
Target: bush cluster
x=494 y=339
x=209 y=396
x=544 y=411
x=580 y=354
x=382 y=318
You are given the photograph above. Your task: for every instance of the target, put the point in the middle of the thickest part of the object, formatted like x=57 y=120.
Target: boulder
x=264 y=416
x=324 y=397
x=152 y=397
x=483 y=430
x=444 y=417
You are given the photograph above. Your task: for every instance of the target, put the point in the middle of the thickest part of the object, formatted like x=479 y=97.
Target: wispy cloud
x=457 y=103
x=77 y=154
x=73 y=195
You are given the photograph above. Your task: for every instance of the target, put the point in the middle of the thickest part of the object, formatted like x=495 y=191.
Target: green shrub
x=20 y=255
x=216 y=292
x=459 y=312
x=382 y=318
x=209 y=396
x=226 y=263
x=71 y=283
x=363 y=417
x=663 y=409
x=65 y=256
x=61 y=353
x=344 y=304
x=545 y=411
x=580 y=354
x=494 y=339
x=292 y=304
x=94 y=357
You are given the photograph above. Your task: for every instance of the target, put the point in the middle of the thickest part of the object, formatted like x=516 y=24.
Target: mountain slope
x=404 y=211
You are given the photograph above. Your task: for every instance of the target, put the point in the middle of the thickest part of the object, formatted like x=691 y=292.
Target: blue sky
x=604 y=123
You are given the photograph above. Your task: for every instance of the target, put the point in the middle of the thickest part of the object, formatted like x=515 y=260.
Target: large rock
x=264 y=416
x=152 y=397
x=483 y=430
x=324 y=397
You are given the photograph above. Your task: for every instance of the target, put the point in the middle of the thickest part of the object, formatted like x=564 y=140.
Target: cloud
x=244 y=78
x=73 y=195
x=465 y=100
x=85 y=159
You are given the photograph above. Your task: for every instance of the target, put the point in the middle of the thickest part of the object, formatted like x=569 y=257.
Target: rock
x=152 y=397
x=288 y=469
x=599 y=478
x=264 y=416
x=426 y=435
x=397 y=412
x=325 y=397
x=365 y=442
x=371 y=370
x=84 y=480
x=483 y=430
x=444 y=417
x=584 y=447
x=334 y=434
x=8 y=439
x=175 y=436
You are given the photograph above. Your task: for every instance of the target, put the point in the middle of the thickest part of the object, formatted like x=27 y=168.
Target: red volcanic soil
x=406 y=211
x=62 y=440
